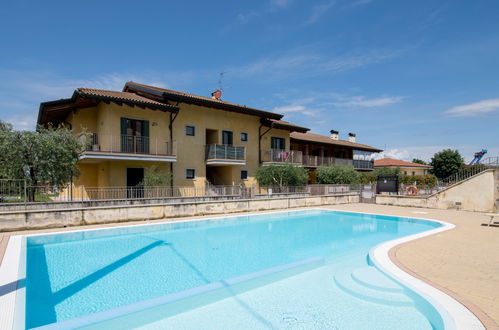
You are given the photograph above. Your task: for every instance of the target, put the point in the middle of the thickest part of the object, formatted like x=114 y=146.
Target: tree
x=154 y=177
x=418 y=161
x=337 y=174
x=281 y=175
x=446 y=163
x=47 y=156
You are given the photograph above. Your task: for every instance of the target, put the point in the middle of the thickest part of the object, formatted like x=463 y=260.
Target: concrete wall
x=478 y=193
x=94 y=215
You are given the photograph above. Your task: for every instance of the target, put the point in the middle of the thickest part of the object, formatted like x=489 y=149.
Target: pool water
x=71 y=275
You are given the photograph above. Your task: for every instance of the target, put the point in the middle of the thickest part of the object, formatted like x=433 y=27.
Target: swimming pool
x=299 y=269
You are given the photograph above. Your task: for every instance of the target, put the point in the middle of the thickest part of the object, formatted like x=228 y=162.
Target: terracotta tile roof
x=281 y=124
x=124 y=97
x=56 y=111
x=172 y=95
x=322 y=139
x=385 y=162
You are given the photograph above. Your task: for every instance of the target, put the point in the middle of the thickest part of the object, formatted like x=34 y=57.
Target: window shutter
x=124 y=126
x=145 y=134
x=145 y=128
x=123 y=138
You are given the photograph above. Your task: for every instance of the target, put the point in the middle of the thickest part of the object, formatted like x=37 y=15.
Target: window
x=190 y=173
x=244 y=137
x=244 y=175
x=277 y=143
x=227 y=138
x=134 y=136
x=190 y=130
x=413 y=173
x=405 y=172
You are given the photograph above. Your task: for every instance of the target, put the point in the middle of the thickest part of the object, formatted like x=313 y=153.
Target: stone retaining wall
x=478 y=193
x=38 y=219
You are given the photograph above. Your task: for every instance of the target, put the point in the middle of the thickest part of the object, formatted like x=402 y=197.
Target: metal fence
x=17 y=195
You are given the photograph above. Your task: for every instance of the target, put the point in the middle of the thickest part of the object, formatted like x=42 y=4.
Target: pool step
x=374 y=279
x=364 y=284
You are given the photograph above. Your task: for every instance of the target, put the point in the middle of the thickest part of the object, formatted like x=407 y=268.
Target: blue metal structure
x=478 y=157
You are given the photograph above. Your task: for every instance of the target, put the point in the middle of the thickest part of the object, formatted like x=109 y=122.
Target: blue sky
x=410 y=77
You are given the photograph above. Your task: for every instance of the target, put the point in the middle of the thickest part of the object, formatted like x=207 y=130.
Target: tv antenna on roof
x=220 y=78
x=217 y=95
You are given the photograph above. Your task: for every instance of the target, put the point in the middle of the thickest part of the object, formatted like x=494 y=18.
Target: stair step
x=345 y=282
x=374 y=279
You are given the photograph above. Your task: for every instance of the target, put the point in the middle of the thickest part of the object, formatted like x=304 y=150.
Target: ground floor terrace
x=460 y=262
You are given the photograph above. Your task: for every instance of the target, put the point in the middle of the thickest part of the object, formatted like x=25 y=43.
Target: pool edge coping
x=379 y=254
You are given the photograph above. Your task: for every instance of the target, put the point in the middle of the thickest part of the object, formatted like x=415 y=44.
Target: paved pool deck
x=463 y=262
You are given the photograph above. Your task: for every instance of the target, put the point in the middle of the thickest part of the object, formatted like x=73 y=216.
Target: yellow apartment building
x=199 y=140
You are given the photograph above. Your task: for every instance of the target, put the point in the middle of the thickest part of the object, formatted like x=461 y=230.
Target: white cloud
x=364 y=102
x=246 y=17
x=271 y=7
x=289 y=108
x=474 y=109
x=394 y=153
x=318 y=10
x=360 y=3
x=280 y=3
x=23 y=123
x=311 y=64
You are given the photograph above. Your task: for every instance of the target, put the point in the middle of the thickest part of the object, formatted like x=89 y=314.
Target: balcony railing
x=130 y=144
x=282 y=156
x=225 y=152
x=363 y=164
x=317 y=161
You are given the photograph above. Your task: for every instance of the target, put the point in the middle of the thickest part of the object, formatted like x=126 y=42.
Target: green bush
x=337 y=175
x=281 y=175
x=153 y=177
x=422 y=181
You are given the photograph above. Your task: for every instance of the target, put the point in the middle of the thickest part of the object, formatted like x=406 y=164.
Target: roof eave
x=292 y=128
x=372 y=149
x=165 y=107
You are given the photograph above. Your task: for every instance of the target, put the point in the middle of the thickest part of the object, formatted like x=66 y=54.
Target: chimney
x=351 y=137
x=334 y=135
x=216 y=95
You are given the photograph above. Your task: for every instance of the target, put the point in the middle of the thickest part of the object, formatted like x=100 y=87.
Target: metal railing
x=225 y=152
x=464 y=174
x=363 y=164
x=311 y=189
x=130 y=144
x=12 y=191
x=318 y=161
x=16 y=195
x=282 y=156
x=491 y=161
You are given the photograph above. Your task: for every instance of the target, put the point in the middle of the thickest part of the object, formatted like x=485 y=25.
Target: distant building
x=406 y=168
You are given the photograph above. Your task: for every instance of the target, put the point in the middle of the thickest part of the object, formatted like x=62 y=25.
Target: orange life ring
x=412 y=190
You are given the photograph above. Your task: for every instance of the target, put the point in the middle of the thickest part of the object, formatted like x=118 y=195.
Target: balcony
x=365 y=165
x=128 y=147
x=276 y=156
x=222 y=154
x=318 y=161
